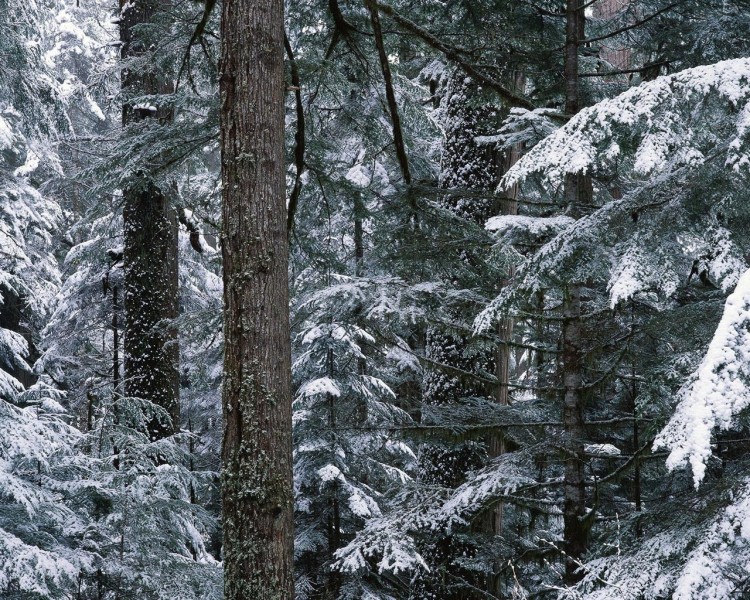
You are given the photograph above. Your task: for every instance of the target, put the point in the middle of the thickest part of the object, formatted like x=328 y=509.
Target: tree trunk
x=333 y=584
x=465 y=165
x=577 y=193
x=618 y=57
x=574 y=508
x=150 y=251
x=257 y=450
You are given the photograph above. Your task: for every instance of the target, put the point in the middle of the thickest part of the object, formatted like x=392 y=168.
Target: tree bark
x=577 y=192
x=257 y=449
x=574 y=508
x=150 y=250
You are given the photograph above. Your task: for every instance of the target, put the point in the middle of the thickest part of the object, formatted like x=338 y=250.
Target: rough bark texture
x=150 y=249
x=257 y=450
x=577 y=193
x=574 y=508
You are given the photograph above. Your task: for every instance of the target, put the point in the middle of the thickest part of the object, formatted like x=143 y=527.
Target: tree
x=686 y=180
x=150 y=227
x=578 y=191
x=257 y=470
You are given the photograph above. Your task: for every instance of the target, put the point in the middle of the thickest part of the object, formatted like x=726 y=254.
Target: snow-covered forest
x=514 y=357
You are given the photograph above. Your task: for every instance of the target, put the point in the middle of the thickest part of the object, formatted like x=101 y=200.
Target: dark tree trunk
x=359 y=245
x=574 y=508
x=577 y=193
x=465 y=165
x=333 y=584
x=150 y=251
x=116 y=391
x=151 y=305
x=257 y=449
x=115 y=345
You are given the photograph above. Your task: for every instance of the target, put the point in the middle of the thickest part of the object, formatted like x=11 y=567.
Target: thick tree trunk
x=151 y=305
x=577 y=193
x=257 y=450
x=150 y=250
x=472 y=166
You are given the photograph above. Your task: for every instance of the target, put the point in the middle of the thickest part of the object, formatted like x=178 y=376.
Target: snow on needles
x=653 y=113
x=719 y=391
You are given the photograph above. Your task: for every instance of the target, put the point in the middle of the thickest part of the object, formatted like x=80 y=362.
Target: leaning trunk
x=257 y=449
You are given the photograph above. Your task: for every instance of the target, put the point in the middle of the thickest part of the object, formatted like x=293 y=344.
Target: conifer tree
x=257 y=449
x=150 y=229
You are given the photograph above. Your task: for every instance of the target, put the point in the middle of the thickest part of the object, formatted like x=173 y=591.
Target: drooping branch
x=196 y=37
x=342 y=29
x=398 y=137
x=454 y=55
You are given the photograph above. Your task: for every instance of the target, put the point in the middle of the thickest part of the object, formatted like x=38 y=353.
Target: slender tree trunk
x=359 y=245
x=333 y=583
x=115 y=345
x=150 y=250
x=257 y=450
x=636 y=430
x=574 y=508
x=359 y=271
x=116 y=391
x=577 y=193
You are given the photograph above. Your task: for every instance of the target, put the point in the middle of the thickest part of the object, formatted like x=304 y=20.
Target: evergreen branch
x=398 y=136
x=453 y=54
x=633 y=25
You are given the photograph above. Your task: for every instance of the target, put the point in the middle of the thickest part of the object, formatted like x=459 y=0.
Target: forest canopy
x=374 y=300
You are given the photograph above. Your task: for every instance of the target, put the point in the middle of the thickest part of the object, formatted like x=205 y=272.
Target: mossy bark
x=257 y=449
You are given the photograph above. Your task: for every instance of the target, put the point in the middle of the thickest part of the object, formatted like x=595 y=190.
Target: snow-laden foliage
x=39 y=532
x=671 y=141
x=411 y=479
x=29 y=273
x=718 y=391
x=661 y=135
x=646 y=126
x=718 y=567
x=692 y=548
x=348 y=455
